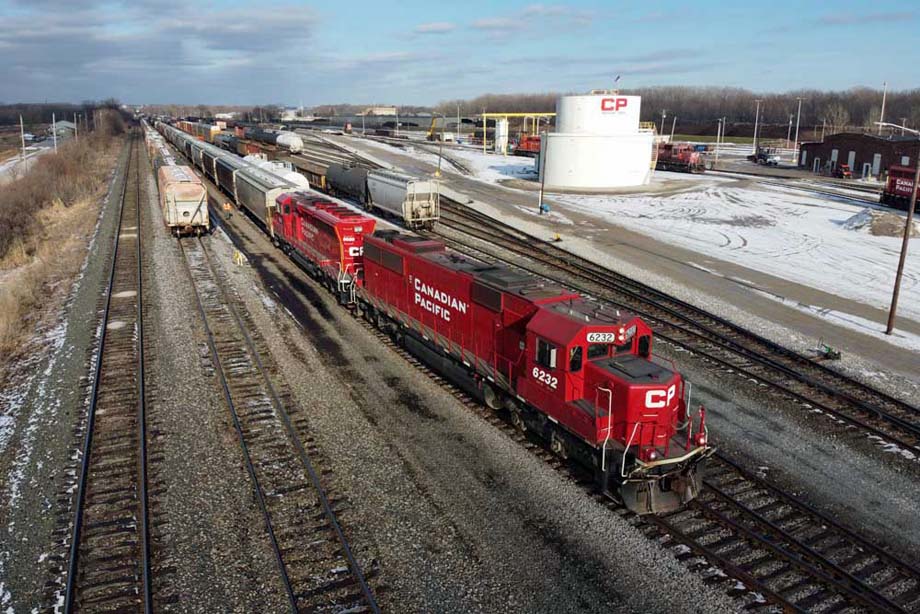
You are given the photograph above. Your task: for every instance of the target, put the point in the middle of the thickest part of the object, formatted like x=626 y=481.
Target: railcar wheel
x=490 y=397
x=557 y=445
x=518 y=421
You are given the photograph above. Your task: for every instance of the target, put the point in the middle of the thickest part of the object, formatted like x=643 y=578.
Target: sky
x=415 y=52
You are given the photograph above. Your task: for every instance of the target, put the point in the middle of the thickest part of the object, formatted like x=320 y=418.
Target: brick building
x=867 y=154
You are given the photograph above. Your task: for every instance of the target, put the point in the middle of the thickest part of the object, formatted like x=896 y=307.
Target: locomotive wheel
x=557 y=445
x=490 y=397
x=518 y=421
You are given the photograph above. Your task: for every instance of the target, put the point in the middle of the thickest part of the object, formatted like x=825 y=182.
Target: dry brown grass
x=46 y=219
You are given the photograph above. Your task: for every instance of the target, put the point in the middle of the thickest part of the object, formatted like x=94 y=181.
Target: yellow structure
x=533 y=116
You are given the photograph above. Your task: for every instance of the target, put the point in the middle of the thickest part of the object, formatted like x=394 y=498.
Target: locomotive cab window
x=598 y=350
x=645 y=343
x=287 y=209
x=546 y=354
x=575 y=359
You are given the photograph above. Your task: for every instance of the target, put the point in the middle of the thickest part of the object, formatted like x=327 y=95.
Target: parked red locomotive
x=898 y=188
x=679 y=157
x=570 y=369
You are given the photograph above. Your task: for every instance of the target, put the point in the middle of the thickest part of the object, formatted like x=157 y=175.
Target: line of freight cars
x=577 y=373
x=210 y=133
x=415 y=202
x=183 y=198
x=573 y=371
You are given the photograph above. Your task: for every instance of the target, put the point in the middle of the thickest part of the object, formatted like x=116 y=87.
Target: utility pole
x=544 y=147
x=907 y=228
x=397 y=121
x=22 y=138
x=664 y=114
x=756 y=119
x=718 y=139
x=789 y=131
x=673 y=124
x=798 y=117
x=76 y=129
x=903 y=125
x=54 y=131
x=458 y=123
x=881 y=117
x=823 y=128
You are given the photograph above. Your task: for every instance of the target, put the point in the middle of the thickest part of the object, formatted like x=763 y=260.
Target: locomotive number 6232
x=542 y=376
x=602 y=338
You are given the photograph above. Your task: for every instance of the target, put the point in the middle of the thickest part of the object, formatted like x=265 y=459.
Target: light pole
x=756 y=119
x=673 y=124
x=903 y=125
x=54 y=131
x=458 y=123
x=789 y=131
x=664 y=114
x=795 y=154
x=363 y=115
x=881 y=116
x=719 y=130
x=907 y=228
x=823 y=128
x=397 y=121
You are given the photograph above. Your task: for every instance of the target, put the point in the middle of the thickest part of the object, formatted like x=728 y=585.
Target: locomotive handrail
x=628 y=444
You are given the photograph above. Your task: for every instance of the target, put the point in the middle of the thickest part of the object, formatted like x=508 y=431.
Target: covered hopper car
x=416 y=202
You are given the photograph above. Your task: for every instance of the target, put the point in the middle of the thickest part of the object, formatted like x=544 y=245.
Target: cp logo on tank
x=613 y=104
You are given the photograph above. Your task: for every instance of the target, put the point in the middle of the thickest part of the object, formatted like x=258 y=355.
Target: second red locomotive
x=898 y=189
x=576 y=372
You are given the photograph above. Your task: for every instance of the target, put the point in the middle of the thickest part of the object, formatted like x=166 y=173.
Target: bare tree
x=838 y=118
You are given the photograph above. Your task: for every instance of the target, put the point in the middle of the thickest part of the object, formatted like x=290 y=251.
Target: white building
x=598 y=144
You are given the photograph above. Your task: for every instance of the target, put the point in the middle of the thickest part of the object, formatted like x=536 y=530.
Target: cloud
x=435 y=27
x=846 y=19
x=497 y=23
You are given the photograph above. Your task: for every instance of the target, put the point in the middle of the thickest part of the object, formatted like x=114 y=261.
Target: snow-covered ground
x=792 y=235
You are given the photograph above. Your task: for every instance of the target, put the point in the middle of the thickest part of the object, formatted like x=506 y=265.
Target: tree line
x=855 y=108
x=41 y=113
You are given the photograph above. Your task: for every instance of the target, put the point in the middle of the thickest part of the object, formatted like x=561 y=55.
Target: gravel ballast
x=461 y=517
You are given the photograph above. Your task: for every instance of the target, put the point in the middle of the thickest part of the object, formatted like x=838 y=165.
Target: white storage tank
x=598 y=144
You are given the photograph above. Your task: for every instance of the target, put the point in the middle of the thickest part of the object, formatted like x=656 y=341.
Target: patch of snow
x=793 y=236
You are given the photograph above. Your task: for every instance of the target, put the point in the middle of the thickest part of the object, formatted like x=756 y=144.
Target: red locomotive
x=325 y=238
x=528 y=145
x=898 y=188
x=576 y=372
x=679 y=157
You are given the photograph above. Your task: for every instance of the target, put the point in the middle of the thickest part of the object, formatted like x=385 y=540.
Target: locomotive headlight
x=652 y=455
x=701 y=439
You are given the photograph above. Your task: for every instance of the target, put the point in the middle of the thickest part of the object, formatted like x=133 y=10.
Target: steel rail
x=302 y=456
x=692 y=316
x=77 y=531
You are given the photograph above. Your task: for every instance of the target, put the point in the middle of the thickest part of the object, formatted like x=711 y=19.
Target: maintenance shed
x=866 y=154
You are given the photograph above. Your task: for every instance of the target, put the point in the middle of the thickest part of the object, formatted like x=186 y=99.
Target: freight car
x=288 y=140
x=681 y=157
x=897 y=189
x=416 y=202
x=183 y=198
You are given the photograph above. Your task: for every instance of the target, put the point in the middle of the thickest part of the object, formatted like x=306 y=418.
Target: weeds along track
x=729 y=346
x=769 y=548
x=315 y=562
x=109 y=560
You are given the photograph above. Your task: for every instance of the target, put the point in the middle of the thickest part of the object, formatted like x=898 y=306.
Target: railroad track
x=109 y=560
x=315 y=562
x=784 y=552
x=811 y=384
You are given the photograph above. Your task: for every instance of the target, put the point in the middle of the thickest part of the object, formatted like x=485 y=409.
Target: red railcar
x=529 y=146
x=578 y=373
x=325 y=238
x=898 y=188
x=679 y=157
